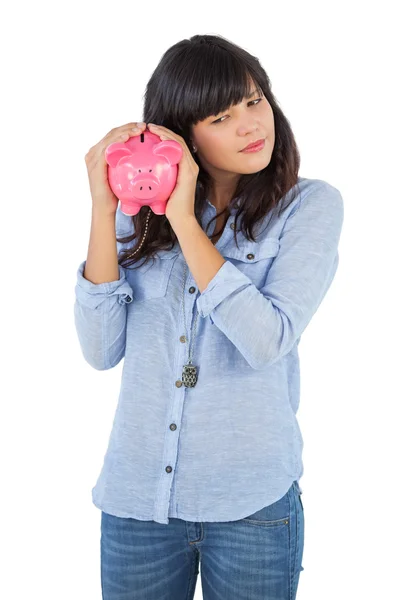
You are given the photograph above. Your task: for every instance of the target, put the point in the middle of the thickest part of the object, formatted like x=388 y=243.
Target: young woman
x=205 y=452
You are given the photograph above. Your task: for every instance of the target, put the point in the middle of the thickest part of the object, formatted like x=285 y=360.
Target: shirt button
x=250 y=256
x=232 y=225
x=172 y=427
x=178 y=383
x=182 y=339
x=192 y=290
x=168 y=469
x=128 y=298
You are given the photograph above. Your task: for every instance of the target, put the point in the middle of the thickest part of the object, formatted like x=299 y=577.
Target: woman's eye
x=251 y=102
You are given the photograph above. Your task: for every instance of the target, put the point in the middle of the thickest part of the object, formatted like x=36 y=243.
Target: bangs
x=209 y=81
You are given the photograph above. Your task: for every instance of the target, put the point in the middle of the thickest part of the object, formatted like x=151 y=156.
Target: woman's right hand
x=103 y=197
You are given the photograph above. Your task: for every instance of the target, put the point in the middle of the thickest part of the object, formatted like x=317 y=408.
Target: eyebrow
x=253 y=93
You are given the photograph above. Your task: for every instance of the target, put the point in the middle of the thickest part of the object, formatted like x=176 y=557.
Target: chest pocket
x=151 y=280
x=254 y=259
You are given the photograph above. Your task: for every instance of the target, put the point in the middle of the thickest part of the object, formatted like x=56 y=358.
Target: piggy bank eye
x=140 y=171
x=150 y=170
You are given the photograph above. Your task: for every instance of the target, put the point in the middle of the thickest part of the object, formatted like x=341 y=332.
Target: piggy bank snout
x=145 y=187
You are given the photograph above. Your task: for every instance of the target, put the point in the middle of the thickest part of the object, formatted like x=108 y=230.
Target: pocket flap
x=251 y=252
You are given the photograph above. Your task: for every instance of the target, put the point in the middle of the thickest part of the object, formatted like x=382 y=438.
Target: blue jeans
x=255 y=558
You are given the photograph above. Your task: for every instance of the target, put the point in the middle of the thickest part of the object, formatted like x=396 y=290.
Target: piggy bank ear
x=170 y=149
x=114 y=152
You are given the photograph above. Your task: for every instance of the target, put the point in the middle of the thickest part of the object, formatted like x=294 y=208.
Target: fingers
x=131 y=130
x=119 y=134
x=134 y=128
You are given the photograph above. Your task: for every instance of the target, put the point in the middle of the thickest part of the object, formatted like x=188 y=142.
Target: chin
x=255 y=168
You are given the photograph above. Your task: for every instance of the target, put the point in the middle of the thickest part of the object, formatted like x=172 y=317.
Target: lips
x=256 y=143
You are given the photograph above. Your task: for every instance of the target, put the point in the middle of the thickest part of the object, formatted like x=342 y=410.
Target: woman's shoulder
x=312 y=191
x=307 y=186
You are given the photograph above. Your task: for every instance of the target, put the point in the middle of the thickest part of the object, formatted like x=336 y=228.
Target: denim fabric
x=255 y=558
x=232 y=444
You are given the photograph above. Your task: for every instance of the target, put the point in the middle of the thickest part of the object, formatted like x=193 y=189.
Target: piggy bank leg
x=158 y=208
x=130 y=208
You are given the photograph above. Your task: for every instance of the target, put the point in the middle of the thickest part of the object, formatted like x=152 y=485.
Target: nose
x=145 y=188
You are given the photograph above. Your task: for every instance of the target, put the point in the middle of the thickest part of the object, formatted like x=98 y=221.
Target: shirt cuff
x=226 y=281
x=92 y=294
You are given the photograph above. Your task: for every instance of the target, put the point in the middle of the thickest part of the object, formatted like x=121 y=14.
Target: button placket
x=192 y=290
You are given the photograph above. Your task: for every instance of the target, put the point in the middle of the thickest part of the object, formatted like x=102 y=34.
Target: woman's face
x=220 y=138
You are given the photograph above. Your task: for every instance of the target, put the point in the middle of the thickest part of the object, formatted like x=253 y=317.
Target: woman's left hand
x=180 y=204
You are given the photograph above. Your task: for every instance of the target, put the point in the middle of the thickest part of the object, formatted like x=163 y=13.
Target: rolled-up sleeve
x=100 y=318
x=264 y=324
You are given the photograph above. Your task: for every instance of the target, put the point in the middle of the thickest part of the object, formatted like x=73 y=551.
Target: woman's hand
x=102 y=196
x=181 y=202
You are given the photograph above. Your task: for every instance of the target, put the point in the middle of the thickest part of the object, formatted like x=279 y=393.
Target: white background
x=70 y=73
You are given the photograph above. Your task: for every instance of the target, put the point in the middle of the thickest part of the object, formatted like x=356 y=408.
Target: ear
x=114 y=153
x=170 y=149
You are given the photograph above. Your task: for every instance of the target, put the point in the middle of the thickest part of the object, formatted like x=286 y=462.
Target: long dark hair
x=198 y=77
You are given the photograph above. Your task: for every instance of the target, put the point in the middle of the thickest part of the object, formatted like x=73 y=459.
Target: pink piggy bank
x=143 y=171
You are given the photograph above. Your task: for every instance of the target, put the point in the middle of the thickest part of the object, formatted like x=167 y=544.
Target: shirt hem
x=116 y=511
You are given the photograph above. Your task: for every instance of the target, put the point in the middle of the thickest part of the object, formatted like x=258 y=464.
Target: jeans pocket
x=275 y=514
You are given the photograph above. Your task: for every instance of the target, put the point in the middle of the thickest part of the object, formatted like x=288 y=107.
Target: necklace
x=189 y=373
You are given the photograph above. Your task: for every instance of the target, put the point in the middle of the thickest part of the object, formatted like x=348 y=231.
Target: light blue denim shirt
x=231 y=445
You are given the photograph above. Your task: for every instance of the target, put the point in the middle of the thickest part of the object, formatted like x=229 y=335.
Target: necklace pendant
x=189 y=375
